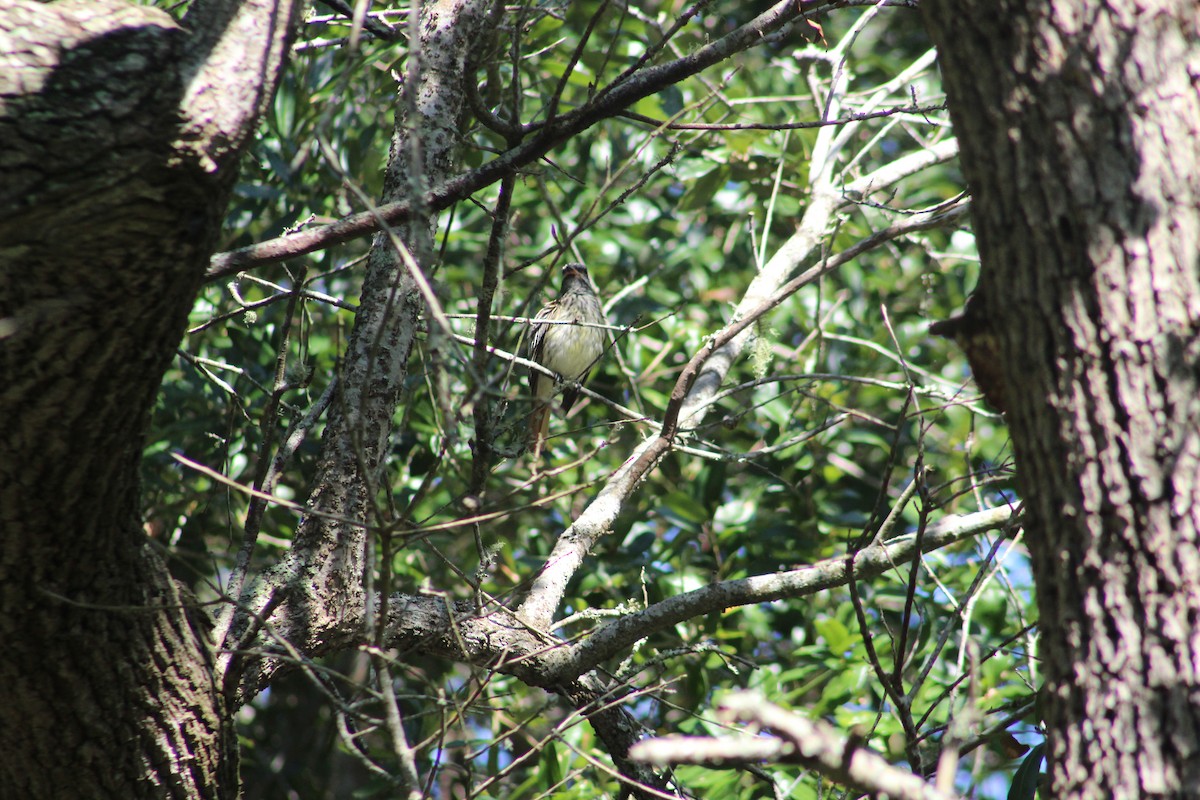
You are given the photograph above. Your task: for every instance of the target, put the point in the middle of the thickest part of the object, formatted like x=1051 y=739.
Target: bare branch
x=616 y=636
x=802 y=741
x=699 y=380
x=904 y=166
x=605 y=105
x=783 y=126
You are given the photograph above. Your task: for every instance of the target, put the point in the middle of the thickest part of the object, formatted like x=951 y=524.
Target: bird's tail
x=539 y=425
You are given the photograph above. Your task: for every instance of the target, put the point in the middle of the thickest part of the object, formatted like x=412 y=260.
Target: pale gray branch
x=902 y=167
x=575 y=542
x=770 y=287
x=615 y=637
x=698 y=383
x=813 y=744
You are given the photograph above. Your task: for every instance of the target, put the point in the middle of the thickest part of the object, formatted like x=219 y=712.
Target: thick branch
x=231 y=65
x=500 y=639
x=616 y=637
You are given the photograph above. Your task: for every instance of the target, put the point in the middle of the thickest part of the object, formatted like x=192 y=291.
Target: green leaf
x=1028 y=775
x=837 y=636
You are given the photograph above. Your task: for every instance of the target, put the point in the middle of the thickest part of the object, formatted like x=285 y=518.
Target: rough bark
x=1078 y=124
x=114 y=188
x=322 y=580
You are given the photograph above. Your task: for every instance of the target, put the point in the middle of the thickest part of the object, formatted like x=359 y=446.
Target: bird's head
x=574 y=274
x=574 y=270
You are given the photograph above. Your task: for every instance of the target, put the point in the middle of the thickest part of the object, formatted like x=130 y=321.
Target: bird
x=972 y=330
x=568 y=350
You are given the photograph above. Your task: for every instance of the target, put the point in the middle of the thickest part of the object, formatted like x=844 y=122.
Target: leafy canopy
x=841 y=405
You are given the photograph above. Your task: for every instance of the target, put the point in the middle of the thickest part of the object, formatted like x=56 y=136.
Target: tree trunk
x=116 y=171
x=324 y=571
x=1079 y=124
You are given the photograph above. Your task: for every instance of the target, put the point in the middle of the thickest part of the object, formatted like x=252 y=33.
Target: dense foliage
x=844 y=417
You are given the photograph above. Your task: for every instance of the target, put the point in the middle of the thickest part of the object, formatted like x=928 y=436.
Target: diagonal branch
x=605 y=105
x=699 y=380
x=704 y=374
x=500 y=640
x=617 y=636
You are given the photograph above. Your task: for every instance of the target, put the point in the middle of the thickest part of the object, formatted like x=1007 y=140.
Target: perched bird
x=972 y=331
x=568 y=350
